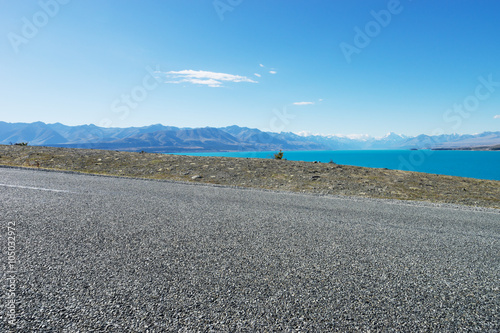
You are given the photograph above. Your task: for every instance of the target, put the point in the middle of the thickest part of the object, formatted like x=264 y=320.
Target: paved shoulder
x=114 y=254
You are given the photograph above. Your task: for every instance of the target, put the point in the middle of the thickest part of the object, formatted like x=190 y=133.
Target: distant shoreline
x=480 y=148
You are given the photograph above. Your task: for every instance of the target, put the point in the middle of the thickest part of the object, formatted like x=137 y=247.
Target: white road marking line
x=36 y=188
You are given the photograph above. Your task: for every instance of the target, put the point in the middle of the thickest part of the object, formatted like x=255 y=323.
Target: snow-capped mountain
x=160 y=138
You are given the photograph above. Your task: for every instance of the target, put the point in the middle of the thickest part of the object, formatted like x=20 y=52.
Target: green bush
x=278 y=156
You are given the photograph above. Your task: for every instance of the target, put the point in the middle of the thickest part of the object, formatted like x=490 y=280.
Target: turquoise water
x=472 y=164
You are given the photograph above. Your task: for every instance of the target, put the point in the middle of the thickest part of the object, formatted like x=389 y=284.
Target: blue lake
x=472 y=164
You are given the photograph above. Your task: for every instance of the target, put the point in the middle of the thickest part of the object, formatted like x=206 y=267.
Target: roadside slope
x=322 y=178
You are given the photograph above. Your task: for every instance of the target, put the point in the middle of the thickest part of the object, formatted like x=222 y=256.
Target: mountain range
x=169 y=139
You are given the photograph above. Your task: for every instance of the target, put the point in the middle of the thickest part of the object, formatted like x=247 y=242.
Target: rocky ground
x=321 y=178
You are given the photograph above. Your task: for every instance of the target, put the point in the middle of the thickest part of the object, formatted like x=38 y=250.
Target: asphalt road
x=113 y=254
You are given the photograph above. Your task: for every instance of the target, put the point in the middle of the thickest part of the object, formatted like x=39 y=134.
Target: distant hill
x=495 y=147
x=35 y=133
x=160 y=138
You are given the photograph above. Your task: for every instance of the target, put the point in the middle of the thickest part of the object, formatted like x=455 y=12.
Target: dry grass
x=324 y=178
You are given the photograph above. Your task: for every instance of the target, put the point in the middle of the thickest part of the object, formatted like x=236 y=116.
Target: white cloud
x=272 y=72
x=208 y=82
x=257 y=74
x=303 y=103
x=497 y=116
x=211 y=79
x=261 y=65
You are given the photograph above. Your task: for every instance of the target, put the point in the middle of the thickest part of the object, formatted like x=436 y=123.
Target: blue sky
x=328 y=67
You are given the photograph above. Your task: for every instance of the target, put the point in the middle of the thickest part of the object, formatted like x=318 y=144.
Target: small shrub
x=279 y=155
x=21 y=144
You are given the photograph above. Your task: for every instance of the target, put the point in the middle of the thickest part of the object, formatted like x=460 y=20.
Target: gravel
x=114 y=254
x=305 y=177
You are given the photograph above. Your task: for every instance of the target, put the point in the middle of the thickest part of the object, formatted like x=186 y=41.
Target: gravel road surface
x=125 y=255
